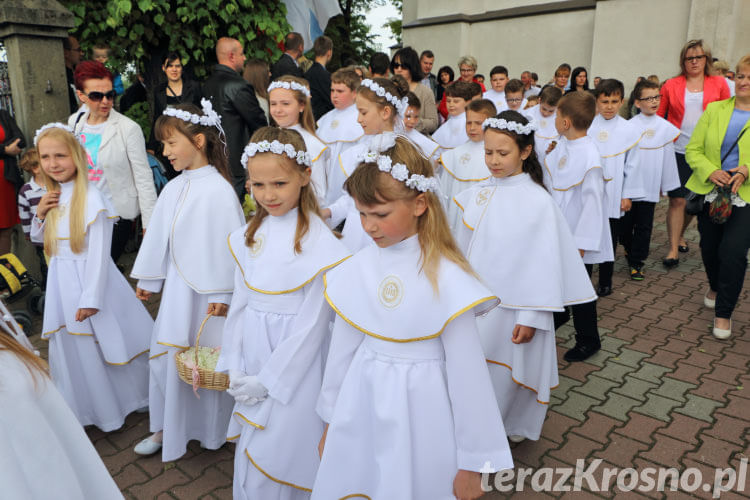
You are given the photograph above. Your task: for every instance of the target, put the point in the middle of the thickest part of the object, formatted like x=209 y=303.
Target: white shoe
x=516 y=438
x=147 y=447
x=721 y=333
x=710 y=303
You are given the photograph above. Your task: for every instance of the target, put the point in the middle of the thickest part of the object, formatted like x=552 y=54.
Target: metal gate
x=6 y=102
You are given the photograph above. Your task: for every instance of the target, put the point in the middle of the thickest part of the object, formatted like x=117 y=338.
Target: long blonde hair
x=370 y=186
x=308 y=204
x=307 y=119
x=77 y=214
x=37 y=366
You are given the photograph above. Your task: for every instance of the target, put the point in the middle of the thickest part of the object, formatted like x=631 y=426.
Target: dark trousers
x=120 y=235
x=606 y=269
x=584 y=320
x=635 y=232
x=724 y=251
x=42 y=264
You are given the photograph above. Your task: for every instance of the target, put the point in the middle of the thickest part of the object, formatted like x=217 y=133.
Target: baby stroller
x=20 y=291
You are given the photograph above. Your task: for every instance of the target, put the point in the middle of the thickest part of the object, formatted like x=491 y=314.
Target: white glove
x=246 y=389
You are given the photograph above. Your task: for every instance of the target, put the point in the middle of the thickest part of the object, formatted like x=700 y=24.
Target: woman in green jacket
x=724 y=246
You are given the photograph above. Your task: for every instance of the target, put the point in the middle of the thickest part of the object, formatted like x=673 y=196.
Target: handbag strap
x=739 y=136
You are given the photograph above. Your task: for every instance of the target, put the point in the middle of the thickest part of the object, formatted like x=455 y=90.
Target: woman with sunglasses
x=116 y=151
x=405 y=63
x=683 y=99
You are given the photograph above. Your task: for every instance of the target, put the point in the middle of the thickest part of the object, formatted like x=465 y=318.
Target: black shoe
x=603 y=291
x=683 y=248
x=581 y=352
x=670 y=263
x=636 y=274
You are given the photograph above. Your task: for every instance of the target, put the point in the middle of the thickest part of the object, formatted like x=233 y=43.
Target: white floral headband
x=277 y=148
x=503 y=124
x=209 y=118
x=399 y=104
x=400 y=172
x=54 y=125
x=289 y=86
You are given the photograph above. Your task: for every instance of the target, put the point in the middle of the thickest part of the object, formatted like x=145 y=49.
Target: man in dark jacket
x=320 y=78
x=294 y=47
x=234 y=99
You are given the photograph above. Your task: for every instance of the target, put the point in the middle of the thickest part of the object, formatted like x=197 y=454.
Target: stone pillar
x=32 y=32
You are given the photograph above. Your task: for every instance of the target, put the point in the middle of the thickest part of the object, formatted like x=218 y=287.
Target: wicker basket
x=205 y=378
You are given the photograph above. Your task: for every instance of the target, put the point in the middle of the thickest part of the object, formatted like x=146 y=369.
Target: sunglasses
x=97 y=96
x=398 y=65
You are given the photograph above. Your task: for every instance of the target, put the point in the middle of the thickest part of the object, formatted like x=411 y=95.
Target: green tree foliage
x=143 y=31
x=350 y=33
x=394 y=23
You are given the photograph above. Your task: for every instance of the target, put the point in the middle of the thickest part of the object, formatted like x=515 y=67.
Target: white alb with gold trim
x=656 y=172
x=534 y=271
x=406 y=384
x=574 y=177
x=319 y=156
x=184 y=251
x=463 y=167
x=452 y=133
x=99 y=364
x=340 y=130
x=545 y=134
x=616 y=140
x=278 y=329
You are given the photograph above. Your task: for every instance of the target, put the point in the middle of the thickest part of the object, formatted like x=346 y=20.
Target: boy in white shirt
x=543 y=115
x=464 y=166
x=452 y=133
x=498 y=80
x=339 y=128
x=615 y=138
x=514 y=99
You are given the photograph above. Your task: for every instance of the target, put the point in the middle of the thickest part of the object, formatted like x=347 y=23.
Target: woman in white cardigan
x=116 y=149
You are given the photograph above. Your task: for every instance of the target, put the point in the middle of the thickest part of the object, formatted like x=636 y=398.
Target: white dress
x=185 y=251
x=616 y=140
x=44 y=452
x=574 y=177
x=340 y=130
x=278 y=328
x=452 y=133
x=538 y=271
x=406 y=391
x=99 y=365
x=656 y=171
x=318 y=152
x=463 y=167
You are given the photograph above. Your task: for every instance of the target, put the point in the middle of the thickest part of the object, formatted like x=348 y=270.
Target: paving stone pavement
x=662 y=393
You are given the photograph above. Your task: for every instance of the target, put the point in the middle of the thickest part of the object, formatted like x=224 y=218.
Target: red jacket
x=672 y=106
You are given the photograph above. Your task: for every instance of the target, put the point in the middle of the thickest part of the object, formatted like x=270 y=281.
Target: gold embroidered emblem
x=465 y=158
x=650 y=133
x=257 y=245
x=334 y=124
x=482 y=196
x=603 y=136
x=543 y=123
x=391 y=291
x=562 y=162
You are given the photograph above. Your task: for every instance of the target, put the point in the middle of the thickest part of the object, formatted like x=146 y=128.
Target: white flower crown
x=502 y=124
x=400 y=172
x=53 y=125
x=399 y=104
x=277 y=148
x=289 y=86
x=209 y=118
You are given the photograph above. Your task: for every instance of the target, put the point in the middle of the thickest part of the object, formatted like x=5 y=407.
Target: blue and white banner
x=310 y=17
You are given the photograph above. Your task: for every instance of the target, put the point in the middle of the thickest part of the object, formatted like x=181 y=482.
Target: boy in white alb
x=429 y=148
x=656 y=173
x=576 y=181
x=543 y=115
x=514 y=99
x=452 y=133
x=464 y=166
x=339 y=128
x=615 y=138
x=496 y=94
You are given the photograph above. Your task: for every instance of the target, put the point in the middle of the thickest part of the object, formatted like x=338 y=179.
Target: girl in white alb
x=184 y=255
x=289 y=105
x=378 y=115
x=406 y=392
x=546 y=132
x=537 y=270
x=277 y=331
x=97 y=330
